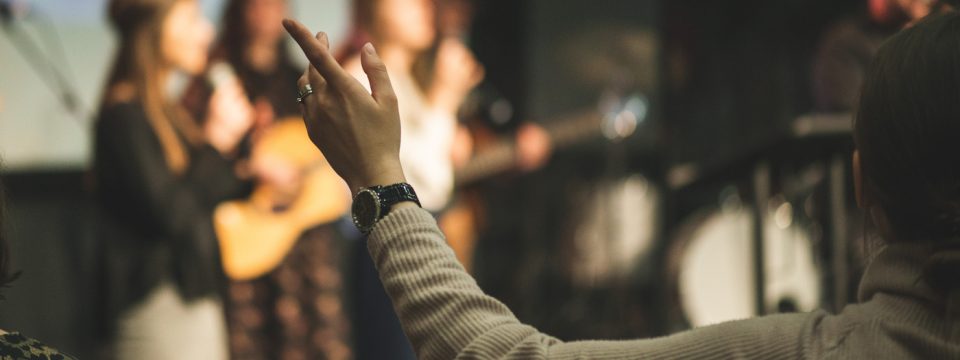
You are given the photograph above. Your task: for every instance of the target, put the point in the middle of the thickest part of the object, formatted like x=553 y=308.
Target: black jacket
x=156 y=225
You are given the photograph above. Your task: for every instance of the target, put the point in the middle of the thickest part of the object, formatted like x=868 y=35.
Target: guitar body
x=461 y=224
x=256 y=234
x=463 y=221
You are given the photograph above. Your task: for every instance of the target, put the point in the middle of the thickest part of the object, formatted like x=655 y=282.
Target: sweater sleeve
x=446 y=315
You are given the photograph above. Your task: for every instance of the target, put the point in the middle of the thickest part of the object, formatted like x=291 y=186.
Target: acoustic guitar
x=256 y=234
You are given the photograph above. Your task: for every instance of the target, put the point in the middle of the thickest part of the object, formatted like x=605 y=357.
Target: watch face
x=366 y=210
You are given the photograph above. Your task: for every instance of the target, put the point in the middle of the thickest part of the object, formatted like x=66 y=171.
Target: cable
x=39 y=61
x=54 y=42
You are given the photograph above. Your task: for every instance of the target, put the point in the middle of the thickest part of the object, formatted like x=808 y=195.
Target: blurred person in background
x=406 y=31
x=253 y=43
x=848 y=47
x=488 y=126
x=905 y=180
x=14 y=345
x=158 y=178
x=296 y=310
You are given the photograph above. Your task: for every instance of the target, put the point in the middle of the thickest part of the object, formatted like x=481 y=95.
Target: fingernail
x=368 y=47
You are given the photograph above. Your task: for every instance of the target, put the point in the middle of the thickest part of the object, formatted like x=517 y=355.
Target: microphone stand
x=39 y=60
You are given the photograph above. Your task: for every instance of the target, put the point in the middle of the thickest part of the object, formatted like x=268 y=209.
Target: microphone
x=219 y=74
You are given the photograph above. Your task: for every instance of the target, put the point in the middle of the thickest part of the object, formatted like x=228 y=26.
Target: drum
x=616 y=232
x=711 y=265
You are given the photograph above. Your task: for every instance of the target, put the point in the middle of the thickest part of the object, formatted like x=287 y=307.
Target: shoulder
x=124 y=125
x=128 y=115
x=112 y=111
x=853 y=34
x=818 y=333
x=17 y=346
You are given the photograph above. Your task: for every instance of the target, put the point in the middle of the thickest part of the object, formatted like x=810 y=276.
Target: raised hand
x=358 y=132
x=534 y=146
x=456 y=73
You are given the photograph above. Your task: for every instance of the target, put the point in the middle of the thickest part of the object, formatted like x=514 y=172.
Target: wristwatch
x=373 y=203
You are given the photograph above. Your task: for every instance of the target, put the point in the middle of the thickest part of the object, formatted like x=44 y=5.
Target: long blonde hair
x=139 y=62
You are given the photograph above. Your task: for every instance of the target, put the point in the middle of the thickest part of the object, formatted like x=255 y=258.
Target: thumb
x=376 y=71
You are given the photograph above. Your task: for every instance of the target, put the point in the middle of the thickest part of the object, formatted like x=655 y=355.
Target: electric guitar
x=614 y=118
x=563 y=132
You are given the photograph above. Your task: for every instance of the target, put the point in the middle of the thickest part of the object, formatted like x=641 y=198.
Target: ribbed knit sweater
x=446 y=315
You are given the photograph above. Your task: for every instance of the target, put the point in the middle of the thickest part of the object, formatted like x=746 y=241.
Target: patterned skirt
x=297 y=310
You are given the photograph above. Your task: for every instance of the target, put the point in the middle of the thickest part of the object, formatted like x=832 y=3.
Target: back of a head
x=126 y=16
x=140 y=62
x=138 y=25
x=234 y=33
x=907 y=131
x=362 y=21
x=237 y=33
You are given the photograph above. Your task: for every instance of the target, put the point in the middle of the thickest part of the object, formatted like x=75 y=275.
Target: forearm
x=446 y=315
x=443 y=311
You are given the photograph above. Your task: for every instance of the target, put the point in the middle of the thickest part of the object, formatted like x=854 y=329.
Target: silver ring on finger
x=303 y=93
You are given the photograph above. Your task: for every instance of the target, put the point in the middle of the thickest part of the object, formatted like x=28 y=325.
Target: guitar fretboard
x=563 y=131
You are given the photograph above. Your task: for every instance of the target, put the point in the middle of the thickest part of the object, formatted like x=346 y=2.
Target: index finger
x=318 y=54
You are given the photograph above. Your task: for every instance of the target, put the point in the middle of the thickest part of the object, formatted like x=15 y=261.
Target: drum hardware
x=710 y=262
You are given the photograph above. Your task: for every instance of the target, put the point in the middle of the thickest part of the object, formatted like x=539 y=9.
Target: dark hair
x=5 y=274
x=362 y=31
x=907 y=131
x=362 y=22
x=139 y=24
x=235 y=34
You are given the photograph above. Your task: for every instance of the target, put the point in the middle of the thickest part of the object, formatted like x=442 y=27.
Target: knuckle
x=387 y=97
x=381 y=68
x=390 y=96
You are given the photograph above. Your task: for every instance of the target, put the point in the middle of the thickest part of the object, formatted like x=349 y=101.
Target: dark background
x=729 y=76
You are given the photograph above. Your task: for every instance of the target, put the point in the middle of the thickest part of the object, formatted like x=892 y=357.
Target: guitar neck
x=501 y=157
x=575 y=128
x=498 y=158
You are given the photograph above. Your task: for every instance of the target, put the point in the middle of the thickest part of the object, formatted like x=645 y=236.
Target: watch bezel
x=374 y=196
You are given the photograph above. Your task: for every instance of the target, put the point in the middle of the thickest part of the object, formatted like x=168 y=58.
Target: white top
x=426 y=138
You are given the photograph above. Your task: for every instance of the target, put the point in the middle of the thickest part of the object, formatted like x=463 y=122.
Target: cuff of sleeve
x=399 y=223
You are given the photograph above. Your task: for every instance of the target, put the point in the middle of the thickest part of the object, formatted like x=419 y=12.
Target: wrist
x=387 y=174
x=373 y=204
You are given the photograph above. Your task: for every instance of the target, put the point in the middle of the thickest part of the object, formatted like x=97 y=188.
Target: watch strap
x=392 y=194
